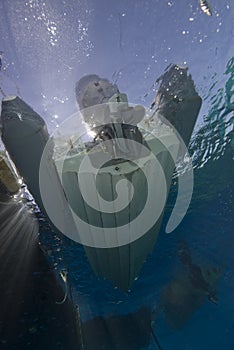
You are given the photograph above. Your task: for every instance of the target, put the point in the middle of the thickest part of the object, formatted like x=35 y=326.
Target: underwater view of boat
x=25 y=136
x=116 y=185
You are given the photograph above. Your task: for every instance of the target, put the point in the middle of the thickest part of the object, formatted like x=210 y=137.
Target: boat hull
x=120 y=264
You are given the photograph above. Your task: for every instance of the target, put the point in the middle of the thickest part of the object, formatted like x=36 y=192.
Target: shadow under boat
x=119 y=332
x=189 y=289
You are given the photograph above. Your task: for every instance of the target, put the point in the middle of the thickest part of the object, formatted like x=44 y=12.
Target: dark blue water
x=208 y=231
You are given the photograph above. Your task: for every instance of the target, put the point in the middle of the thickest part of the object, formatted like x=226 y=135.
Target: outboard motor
x=106 y=112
